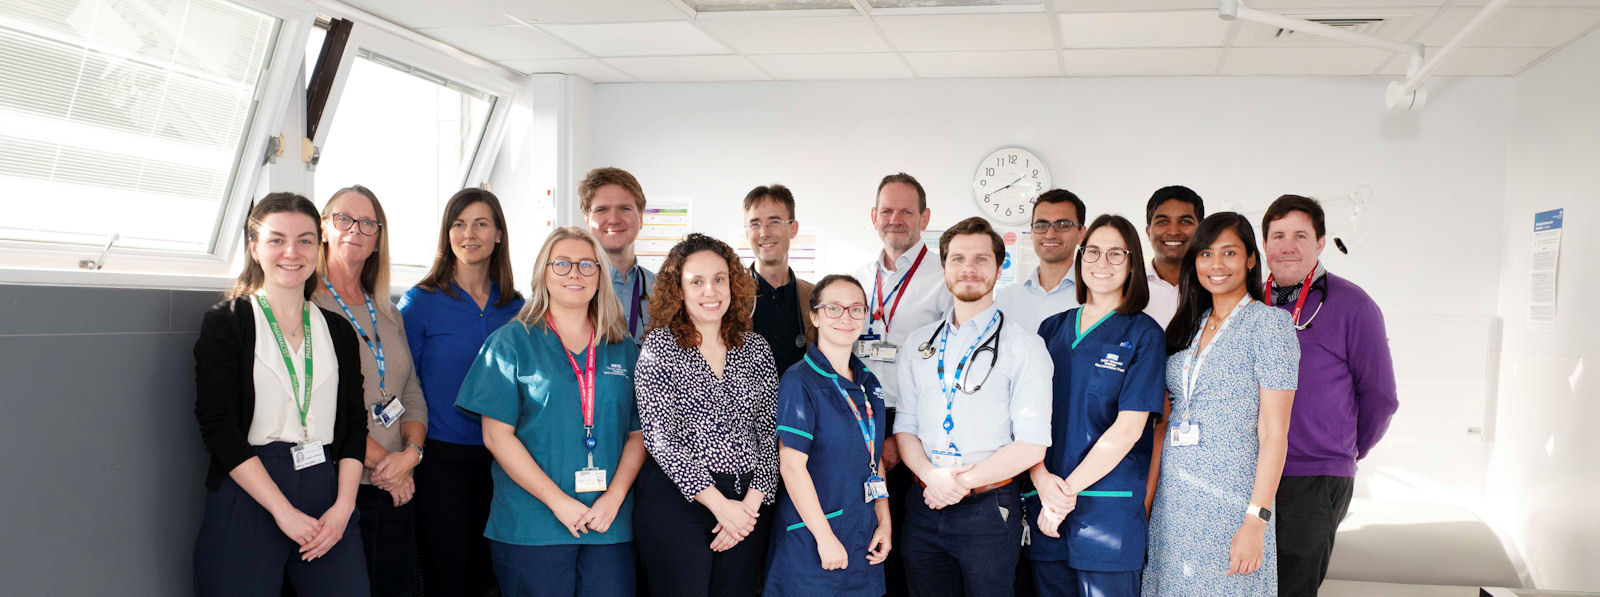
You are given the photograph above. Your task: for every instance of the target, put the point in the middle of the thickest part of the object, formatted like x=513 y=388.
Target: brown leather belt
x=976 y=490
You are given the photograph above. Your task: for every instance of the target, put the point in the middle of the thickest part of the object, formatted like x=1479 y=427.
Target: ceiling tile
x=586 y=11
x=638 y=39
x=1143 y=30
x=1477 y=62
x=1399 y=24
x=1303 y=61
x=1142 y=61
x=431 y=13
x=834 y=66
x=689 y=68
x=798 y=35
x=1514 y=27
x=588 y=68
x=976 y=32
x=503 y=42
x=1274 y=5
x=1125 y=5
x=1036 y=63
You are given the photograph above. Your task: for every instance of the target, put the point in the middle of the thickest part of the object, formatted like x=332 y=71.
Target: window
x=125 y=116
x=411 y=136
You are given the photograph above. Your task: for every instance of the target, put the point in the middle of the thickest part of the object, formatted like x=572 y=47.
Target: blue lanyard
x=950 y=390
x=374 y=343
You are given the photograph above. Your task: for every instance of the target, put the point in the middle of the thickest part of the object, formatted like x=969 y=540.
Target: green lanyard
x=283 y=348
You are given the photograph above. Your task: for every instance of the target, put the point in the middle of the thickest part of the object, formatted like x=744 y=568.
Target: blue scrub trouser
x=1057 y=579
x=969 y=548
x=563 y=570
x=241 y=552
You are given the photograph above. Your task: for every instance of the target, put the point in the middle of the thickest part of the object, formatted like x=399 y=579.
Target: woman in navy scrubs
x=1089 y=506
x=833 y=516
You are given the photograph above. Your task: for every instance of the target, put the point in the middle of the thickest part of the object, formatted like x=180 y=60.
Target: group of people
x=722 y=428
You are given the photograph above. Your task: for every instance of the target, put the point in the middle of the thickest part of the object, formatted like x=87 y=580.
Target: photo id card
x=946 y=458
x=589 y=480
x=388 y=412
x=864 y=345
x=884 y=352
x=1184 y=434
x=308 y=454
x=876 y=488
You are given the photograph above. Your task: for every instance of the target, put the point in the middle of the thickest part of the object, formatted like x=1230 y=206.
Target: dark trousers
x=673 y=536
x=900 y=482
x=389 y=540
x=1309 y=510
x=452 y=500
x=563 y=570
x=969 y=548
x=242 y=552
x=1057 y=579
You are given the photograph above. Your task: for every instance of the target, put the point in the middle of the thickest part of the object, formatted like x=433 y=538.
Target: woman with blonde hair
x=554 y=389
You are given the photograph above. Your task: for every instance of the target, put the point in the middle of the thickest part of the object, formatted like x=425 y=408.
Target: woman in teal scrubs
x=555 y=390
x=1088 y=511
x=832 y=531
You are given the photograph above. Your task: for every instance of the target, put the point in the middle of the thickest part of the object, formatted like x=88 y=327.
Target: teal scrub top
x=522 y=378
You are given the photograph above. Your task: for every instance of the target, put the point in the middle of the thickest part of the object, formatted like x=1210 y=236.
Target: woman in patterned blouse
x=707 y=393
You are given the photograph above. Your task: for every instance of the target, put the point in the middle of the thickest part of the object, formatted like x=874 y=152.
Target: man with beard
x=781 y=314
x=1058 y=219
x=907 y=291
x=1170 y=218
x=613 y=206
x=975 y=403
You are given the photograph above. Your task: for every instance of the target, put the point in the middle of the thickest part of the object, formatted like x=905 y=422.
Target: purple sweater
x=1347 y=390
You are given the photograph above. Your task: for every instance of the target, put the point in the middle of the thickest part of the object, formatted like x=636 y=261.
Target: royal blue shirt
x=444 y=334
x=1117 y=366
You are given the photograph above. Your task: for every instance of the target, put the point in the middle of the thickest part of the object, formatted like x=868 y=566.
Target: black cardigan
x=225 y=392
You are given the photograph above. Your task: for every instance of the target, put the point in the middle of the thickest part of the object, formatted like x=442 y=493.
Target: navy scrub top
x=1118 y=365
x=813 y=418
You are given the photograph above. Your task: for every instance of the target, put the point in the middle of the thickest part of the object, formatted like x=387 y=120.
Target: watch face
x=1006 y=184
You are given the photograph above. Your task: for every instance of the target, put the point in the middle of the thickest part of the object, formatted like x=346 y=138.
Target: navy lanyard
x=374 y=343
x=638 y=294
x=950 y=390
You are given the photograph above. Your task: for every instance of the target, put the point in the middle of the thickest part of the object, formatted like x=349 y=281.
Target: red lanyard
x=585 y=377
x=1305 y=289
x=877 y=288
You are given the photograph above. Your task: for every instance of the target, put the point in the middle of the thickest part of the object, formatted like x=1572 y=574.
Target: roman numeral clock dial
x=1006 y=184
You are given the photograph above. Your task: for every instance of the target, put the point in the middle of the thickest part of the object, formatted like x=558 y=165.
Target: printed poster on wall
x=804 y=252
x=1545 y=266
x=666 y=221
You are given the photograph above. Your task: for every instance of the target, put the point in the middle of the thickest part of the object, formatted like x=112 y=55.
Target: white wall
x=540 y=161
x=1544 y=471
x=1438 y=180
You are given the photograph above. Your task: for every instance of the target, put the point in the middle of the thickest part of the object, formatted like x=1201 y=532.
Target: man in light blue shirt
x=613 y=206
x=1058 y=218
x=975 y=398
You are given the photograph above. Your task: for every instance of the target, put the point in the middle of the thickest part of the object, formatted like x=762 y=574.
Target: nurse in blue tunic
x=554 y=388
x=832 y=531
x=1089 y=507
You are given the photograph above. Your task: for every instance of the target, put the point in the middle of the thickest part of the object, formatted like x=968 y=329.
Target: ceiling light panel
x=1036 y=63
x=503 y=42
x=834 y=66
x=968 y=32
x=638 y=39
x=809 y=35
x=584 y=11
x=1143 y=30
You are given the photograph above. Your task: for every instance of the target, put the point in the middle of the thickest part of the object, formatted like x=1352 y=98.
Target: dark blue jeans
x=969 y=548
x=563 y=570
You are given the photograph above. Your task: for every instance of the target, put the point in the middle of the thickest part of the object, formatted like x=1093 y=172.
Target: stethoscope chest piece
x=926 y=350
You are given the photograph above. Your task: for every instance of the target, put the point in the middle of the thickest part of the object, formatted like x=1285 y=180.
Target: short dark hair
x=903 y=178
x=1136 y=289
x=776 y=192
x=1063 y=196
x=829 y=280
x=1178 y=193
x=972 y=225
x=1291 y=203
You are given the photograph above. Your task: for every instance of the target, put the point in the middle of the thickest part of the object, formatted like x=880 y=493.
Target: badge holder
x=875 y=488
x=884 y=352
x=864 y=345
x=948 y=457
x=1184 y=434
x=590 y=478
x=308 y=454
x=389 y=412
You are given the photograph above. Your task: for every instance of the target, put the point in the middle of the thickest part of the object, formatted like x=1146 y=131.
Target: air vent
x=1367 y=25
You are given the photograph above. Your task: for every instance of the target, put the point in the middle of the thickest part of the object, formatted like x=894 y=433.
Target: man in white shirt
x=1170 y=218
x=975 y=401
x=905 y=290
x=1058 y=220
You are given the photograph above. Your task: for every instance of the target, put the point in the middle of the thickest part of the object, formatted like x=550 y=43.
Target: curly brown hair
x=666 y=298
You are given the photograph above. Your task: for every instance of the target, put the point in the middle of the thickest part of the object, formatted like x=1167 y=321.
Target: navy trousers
x=241 y=552
x=1057 y=579
x=563 y=570
x=452 y=501
x=969 y=548
x=674 y=539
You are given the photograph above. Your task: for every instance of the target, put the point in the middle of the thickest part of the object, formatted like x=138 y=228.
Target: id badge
x=1184 y=434
x=884 y=351
x=388 y=412
x=876 y=488
x=947 y=457
x=308 y=454
x=589 y=480
x=864 y=345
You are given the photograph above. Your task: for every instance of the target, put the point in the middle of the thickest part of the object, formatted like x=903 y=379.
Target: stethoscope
x=1323 y=280
x=990 y=344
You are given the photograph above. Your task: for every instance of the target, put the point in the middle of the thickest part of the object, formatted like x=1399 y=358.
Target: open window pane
x=125 y=116
x=408 y=135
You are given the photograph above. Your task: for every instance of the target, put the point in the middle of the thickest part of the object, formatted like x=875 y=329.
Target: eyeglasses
x=1114 y=256
x=366 y=227
x=1060 y=225
x=836 y=310
x=586 y=267
x=773 y=224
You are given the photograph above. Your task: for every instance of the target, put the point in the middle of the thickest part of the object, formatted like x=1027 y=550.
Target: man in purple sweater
x=1346 y=395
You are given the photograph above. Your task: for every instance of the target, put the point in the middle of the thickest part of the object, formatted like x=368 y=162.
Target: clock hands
x=1019 y=179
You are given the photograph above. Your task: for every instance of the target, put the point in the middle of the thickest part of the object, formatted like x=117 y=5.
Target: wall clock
x=1006 y=184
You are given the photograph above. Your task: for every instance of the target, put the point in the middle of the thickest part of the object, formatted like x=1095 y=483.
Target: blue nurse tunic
x=1116 y=366
x=814 y=419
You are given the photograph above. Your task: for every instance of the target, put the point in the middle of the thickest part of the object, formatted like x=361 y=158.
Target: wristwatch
x=419 y=451
x=1257 y=511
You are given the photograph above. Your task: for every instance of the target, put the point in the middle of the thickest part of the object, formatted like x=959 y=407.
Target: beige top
x=402 y=379
x=277 y=417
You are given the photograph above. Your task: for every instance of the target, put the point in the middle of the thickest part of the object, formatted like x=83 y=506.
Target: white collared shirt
x=1163 y=299
x=1012 y=404
x=1027 y=304
x=926 y=300
x=276 y=418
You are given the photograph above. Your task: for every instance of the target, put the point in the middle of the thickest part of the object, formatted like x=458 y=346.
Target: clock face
x=1006 y=184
